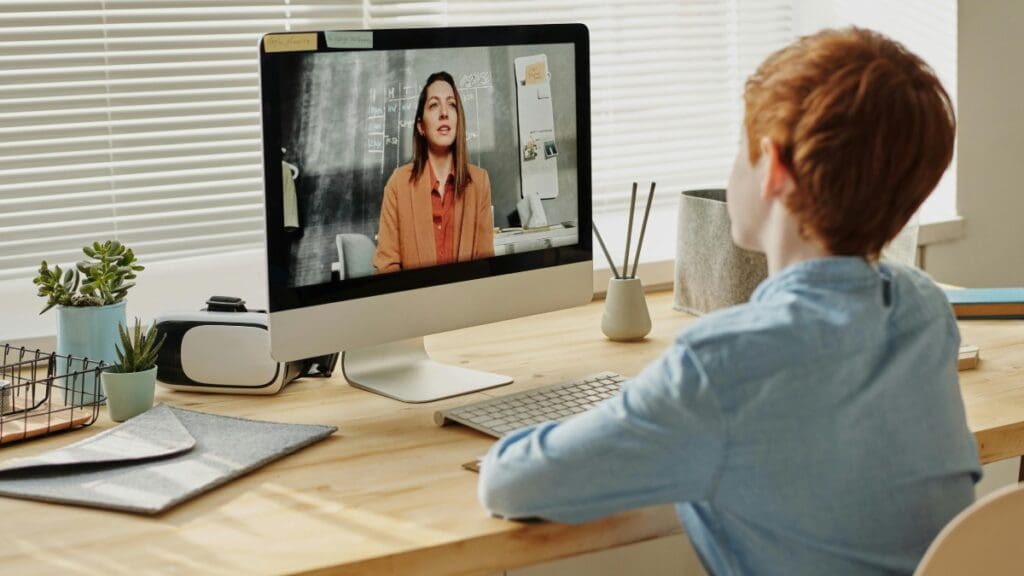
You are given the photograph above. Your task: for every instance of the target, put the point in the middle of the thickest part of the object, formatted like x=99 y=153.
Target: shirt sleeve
x=661 y=440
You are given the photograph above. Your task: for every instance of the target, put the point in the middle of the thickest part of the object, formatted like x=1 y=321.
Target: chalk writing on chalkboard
x=391 y=118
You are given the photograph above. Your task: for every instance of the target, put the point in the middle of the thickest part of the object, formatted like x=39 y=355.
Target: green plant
x=104 y=278
x=137 y=351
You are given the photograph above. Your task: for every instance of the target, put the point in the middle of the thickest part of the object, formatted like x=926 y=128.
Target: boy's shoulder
x=756 y=338
x=917 y=298
x=727 y=323
x=913 y=278
x=750 y=321
x=798 y=328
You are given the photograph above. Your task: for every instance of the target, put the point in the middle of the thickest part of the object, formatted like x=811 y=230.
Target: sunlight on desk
x=387 y=495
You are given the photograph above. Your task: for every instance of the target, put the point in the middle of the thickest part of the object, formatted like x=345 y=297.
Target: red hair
x=864 y=127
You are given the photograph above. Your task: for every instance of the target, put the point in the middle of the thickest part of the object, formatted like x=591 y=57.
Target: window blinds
x=665 y=82
x=139 y=119
x=136 y=120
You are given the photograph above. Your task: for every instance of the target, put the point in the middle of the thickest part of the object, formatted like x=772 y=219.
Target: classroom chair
x=983 y=539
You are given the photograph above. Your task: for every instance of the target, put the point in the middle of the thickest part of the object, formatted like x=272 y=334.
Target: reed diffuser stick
x=643 y=230
x=629 y=231
x=605 y=249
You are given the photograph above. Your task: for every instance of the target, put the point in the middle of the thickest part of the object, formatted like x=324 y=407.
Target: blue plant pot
x=86 y=332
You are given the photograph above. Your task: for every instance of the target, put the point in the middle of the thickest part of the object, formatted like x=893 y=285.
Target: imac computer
x=420 y=181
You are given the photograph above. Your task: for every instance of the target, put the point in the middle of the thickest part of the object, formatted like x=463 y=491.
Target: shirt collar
x=838 y=273
x=434 y=183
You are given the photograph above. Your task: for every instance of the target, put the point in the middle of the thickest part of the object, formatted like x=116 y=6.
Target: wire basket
x=43 y=392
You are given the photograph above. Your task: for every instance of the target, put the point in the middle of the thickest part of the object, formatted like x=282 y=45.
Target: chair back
x=986 y=538
x=355 y=255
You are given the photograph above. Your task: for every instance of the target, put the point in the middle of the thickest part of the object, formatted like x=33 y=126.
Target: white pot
x=625 y=310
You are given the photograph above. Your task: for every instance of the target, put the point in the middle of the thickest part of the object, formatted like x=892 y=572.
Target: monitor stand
x=402 y=370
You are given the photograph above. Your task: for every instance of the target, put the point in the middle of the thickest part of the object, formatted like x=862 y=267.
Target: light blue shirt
x=817 y=429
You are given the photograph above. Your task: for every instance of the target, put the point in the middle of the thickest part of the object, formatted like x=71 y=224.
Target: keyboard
x=499 y=416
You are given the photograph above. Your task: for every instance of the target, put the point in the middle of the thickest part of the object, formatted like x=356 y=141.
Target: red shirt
x=444 y=217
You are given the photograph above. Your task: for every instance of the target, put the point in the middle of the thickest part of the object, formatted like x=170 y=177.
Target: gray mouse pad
x=155 y=461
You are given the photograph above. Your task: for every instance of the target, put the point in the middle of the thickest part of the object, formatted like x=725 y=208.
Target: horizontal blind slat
x=49 y=207
x=212 y=213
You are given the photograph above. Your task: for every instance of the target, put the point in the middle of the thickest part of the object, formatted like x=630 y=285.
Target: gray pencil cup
x=711 y=272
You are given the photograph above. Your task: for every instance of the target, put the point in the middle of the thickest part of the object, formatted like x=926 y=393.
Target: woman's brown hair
x=460 y=153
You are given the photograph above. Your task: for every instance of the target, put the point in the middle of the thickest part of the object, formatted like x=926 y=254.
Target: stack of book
x=987 y=303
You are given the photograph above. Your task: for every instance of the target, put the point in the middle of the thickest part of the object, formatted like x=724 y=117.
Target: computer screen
x=403 y=160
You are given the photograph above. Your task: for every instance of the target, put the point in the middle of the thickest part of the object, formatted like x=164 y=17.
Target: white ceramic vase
x=625 y=316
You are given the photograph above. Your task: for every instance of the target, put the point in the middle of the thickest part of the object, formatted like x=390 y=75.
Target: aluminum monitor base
x=404 y=371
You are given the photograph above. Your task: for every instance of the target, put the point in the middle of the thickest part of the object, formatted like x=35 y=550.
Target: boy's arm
x=661 y=440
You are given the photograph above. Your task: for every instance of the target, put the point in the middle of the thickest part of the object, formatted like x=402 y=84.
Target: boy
x=817 y=429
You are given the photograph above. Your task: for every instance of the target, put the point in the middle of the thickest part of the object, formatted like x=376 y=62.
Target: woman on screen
x=437 y=208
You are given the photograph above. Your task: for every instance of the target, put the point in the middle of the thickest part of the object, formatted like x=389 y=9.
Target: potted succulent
x=130 y=382
x=90 y=299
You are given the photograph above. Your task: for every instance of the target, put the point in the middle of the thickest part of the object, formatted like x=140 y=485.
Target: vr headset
x=226 y=348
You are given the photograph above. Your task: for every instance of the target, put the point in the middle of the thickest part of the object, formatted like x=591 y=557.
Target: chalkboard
x=347 y=120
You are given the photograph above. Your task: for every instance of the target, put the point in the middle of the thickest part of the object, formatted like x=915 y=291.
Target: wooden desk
x=994 y=393
x=386 y=494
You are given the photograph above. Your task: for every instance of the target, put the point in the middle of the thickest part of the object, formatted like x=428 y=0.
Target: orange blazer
x=405 y=238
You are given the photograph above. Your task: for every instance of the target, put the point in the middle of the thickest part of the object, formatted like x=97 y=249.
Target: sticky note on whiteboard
x=536 y=73
x=290 y=42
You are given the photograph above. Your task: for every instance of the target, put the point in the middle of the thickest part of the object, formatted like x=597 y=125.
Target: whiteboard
x=538 y=146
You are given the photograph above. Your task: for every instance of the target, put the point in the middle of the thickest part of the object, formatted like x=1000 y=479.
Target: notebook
x=154 y=461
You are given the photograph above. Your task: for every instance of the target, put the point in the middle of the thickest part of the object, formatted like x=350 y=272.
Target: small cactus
x=137 y=351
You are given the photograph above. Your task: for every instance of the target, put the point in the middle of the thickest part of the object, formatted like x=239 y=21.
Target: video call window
x=394 y=160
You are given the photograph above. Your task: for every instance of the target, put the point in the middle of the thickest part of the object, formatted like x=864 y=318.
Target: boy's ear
x=777 y=181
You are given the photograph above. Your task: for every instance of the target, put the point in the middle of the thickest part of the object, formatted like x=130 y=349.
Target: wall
x=991 y=140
